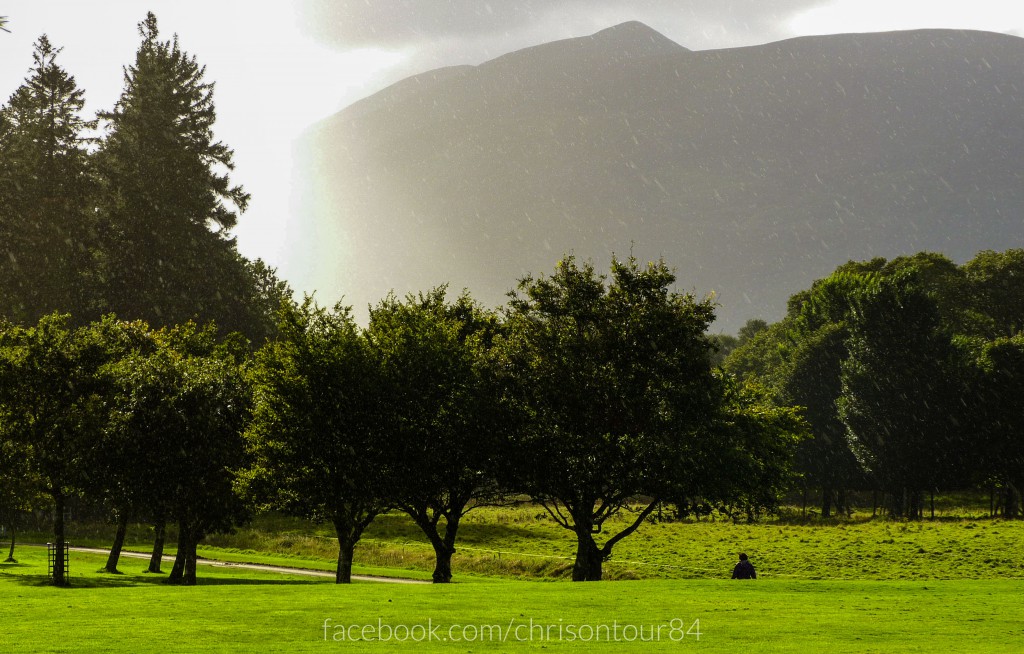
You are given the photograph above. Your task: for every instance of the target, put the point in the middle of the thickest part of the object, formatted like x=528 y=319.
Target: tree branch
x=607 y=549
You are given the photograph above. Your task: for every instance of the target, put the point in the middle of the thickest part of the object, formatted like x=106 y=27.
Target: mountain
x=752 y=170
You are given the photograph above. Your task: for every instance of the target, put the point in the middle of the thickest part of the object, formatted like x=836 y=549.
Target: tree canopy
x=614 y=380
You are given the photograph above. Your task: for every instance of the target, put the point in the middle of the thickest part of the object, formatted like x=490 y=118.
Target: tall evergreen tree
x=45 y=235
x=168 y=200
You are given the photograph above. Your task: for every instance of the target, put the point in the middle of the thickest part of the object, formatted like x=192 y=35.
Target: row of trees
x=586 y=394
x=910 y=373
x=148 y=423
x=127 y=213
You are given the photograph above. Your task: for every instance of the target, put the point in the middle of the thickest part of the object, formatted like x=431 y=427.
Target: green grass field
x=232 y=610
x=857 y=585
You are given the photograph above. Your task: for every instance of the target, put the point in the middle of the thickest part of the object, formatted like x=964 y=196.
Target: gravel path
x=262 y=568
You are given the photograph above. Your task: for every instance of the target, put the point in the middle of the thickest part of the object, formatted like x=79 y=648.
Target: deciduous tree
x=316 y=439
x=445 y=426
x=616 y=380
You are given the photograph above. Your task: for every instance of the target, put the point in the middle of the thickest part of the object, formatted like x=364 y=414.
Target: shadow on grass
x=483 y=533
x=398 y=527
x=863 y=519
x=125 y=581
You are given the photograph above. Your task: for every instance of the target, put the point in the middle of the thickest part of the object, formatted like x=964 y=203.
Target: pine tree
x=168 y=199
x=46 y=238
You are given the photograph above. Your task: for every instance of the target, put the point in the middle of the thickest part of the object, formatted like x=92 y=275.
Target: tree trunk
x=346 y=550
x=826 y=502
x=896 y=502
x=442 y=563
x=189 y=578
x=445 y=547
x=915 y=502
x=178 y=569
x=10 y=555
x=588 y=557
x=1011 y=506
x=349 y=523
x=60 y=576
x=115 y=549
x=158 y=548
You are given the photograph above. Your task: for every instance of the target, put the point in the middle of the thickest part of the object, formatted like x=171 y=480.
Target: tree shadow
x=397 y=527
x=132 y=581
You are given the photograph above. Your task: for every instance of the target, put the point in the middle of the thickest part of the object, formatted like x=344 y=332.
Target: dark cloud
x=497 y=25
x=356 y=23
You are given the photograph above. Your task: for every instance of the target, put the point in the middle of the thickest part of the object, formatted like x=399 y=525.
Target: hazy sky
x=280 y=66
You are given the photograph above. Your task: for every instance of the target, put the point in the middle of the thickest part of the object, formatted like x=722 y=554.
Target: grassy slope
x=243 y=611
x=524 y=542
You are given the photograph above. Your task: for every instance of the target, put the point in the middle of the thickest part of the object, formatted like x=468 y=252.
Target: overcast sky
x=281 y=66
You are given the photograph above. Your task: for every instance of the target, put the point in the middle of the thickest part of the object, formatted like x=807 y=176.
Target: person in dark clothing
x=744 y=569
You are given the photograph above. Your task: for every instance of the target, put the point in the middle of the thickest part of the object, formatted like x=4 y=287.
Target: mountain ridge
x=751 y=170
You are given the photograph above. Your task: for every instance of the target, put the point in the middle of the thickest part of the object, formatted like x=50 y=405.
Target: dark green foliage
x=318 y=439
x=174 y=434
x=812 y=380
x=47 y=235
x=995 y=291
x=760 y=357
x=1000 y=419
x=444 y=420
x=167 y=198
x=726 y=343
x=616 y=385
x=51 y=405
x=751 y=458
x=900 y=400
x=909 y=336
x=139 y=228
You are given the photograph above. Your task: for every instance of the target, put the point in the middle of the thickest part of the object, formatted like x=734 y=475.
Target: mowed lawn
x=233 y=610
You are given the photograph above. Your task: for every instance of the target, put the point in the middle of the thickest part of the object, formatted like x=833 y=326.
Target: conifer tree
x=169 y=202
x=46 y=238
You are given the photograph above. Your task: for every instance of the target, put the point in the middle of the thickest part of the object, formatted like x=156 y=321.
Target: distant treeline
x=910 y=373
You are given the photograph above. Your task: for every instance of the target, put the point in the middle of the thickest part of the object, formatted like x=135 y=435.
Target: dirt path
x=256 y=566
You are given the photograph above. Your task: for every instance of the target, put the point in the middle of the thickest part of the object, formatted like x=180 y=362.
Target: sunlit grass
x=240 y=610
